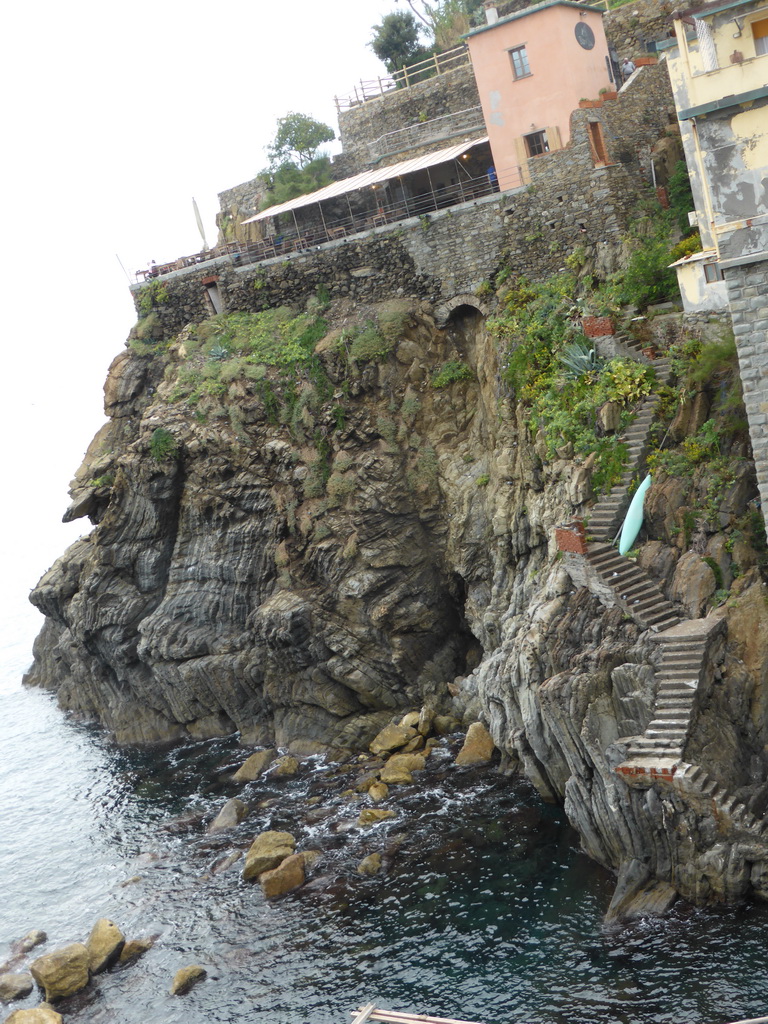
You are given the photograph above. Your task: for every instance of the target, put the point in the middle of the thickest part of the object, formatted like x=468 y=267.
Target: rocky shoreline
x=397 y=756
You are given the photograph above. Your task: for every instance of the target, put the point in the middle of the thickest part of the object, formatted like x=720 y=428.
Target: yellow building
x=718 y=65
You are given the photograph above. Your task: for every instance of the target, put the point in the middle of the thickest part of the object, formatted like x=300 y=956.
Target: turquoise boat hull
x=634 y=518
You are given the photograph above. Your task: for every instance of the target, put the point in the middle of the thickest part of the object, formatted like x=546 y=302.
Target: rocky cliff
x=306 y=522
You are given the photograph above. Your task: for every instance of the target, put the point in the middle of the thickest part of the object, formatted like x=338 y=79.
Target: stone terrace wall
x=446 y=94
x=236 y=205
x=636 y=120
x=632 y=27
x=447 y=253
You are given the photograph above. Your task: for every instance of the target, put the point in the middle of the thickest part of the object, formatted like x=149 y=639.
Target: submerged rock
x=231 y=814
x=370 y=865
x=372 y=816
x=62 y=972
x=32 y=939
x=15 y=986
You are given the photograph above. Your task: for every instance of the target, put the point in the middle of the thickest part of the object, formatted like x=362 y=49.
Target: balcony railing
x=437 y=64
x=299 y=238
x=424 y=133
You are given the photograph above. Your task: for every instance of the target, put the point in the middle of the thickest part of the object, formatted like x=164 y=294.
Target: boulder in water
x=370 y=865
x=478 y=746
x=395 y=774
x=252 y=769
x=372 y=816
x=284 y=766
x=289 y=874
x=134 y=948
x=104 y=945
x=62 y=972
x=392 y=737
x=15 y=986
x=266 y=852
x=230 y=815
x=35 y=1015
x=186 y=977
x=379 y=791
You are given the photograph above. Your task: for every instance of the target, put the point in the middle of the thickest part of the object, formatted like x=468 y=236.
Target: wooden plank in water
x=363 y=1014
x=390 y=1017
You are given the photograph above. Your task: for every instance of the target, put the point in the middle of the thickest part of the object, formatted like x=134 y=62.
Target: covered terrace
x=383 y=195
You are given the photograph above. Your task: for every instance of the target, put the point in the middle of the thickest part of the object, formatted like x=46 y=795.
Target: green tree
x=297 y=140
x=396 y=41
x=447 y=20
x=289 y=180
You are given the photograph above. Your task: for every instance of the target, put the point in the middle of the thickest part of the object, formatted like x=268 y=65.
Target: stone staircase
x=660 y=748
x=693 y=782
x=635 y=592
x=607 y=515
x=591 y=560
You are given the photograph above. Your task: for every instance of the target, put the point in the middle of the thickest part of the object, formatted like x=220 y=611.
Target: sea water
x=486 y=911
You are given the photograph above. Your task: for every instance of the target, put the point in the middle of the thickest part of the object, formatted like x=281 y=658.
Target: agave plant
x=218 y=353
x=579 y=358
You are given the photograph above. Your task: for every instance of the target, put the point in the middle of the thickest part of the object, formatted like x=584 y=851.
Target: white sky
x=114 y=116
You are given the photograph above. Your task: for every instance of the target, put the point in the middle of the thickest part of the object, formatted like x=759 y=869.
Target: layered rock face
x=215 y=594
x=304 y=581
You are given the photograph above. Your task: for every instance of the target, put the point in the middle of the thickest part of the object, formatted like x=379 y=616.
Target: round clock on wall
x=584 y=35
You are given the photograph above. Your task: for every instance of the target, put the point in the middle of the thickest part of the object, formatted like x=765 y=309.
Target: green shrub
x=152 y=295
x=162 y=445
x=370 y=345
x=687 y=246
x=648 y=277
x=450 y=373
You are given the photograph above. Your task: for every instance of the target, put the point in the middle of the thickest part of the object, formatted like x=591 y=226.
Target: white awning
x=368 y=178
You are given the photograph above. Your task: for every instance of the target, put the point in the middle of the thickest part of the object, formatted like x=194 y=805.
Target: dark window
x=519 y=59
x=712 y=273
x=536 y=143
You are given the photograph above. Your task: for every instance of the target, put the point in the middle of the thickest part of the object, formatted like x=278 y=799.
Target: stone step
x=667 y=727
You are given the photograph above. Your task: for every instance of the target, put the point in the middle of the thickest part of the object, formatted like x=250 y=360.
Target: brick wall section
x=748 y=298
x=446 y=94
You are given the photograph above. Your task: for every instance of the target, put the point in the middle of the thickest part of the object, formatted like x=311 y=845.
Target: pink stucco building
x=532 y=68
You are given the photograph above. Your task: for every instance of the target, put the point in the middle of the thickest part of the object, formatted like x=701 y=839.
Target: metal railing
x=425 y=132
x=437 y=64
x=299 y=238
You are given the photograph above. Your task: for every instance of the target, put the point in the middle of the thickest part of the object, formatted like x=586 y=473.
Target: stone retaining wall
x=445 y=94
